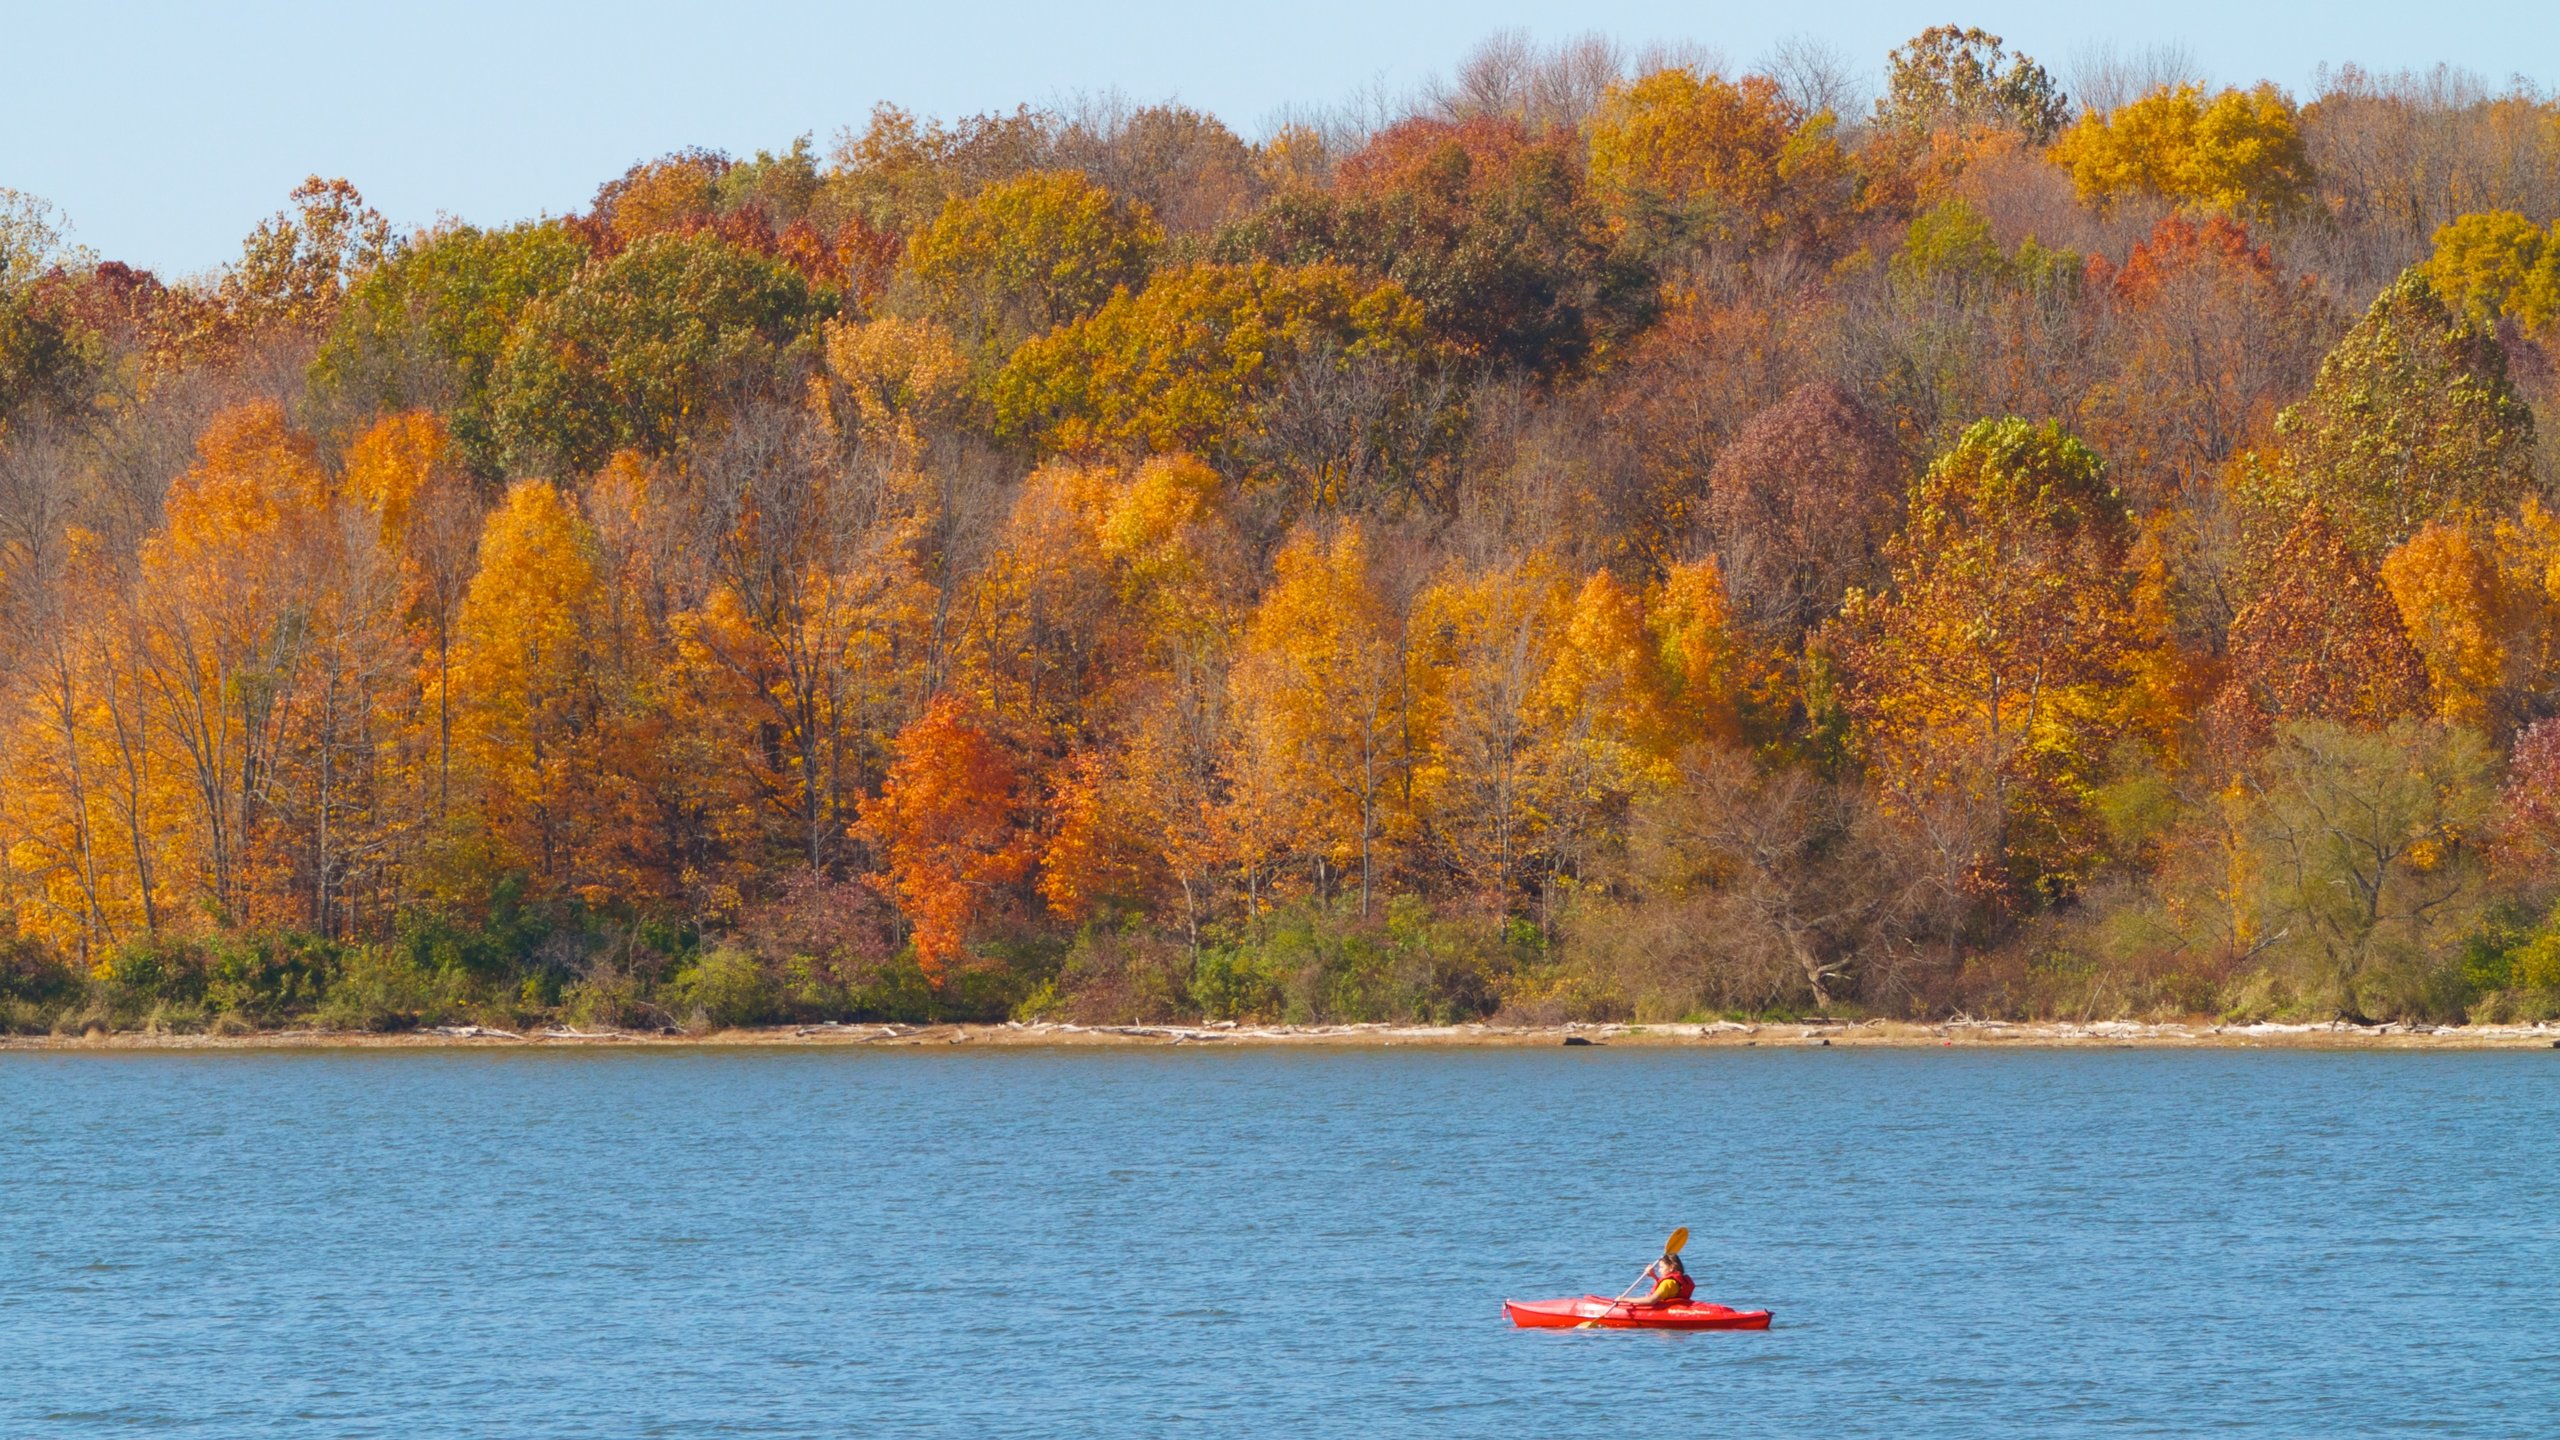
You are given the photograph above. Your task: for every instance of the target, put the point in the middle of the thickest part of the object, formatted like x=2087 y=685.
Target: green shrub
x=34 y=982
x=1117 y=977
x=1238 y=982
x=609 y=999
x=724 y=987
x=491 y=953
x=380 y=988
x=1328 y=964
x=2488 y=952
x=141 y=974
x=891 y=989
x=2510 y=967
x=268 y=977
x=169 y=982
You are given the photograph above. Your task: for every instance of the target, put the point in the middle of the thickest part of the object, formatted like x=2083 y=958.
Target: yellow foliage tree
x=222 y=723
x=1608 y=719
x=2454 y=604
x=403 y=470
x=91 y=809
x=1737 y=157
x=1135 y=810
x=903 y=375
x=1319 y=703
x=2496 y=262
x=798 y=640
x=1993 y=672
x=1693 y=624
x=530 y=727
x=2240 y=151
x=1154 y=524
x=1484 y=643
x=226 y=585
x=1043 y=631
x=1189 y=363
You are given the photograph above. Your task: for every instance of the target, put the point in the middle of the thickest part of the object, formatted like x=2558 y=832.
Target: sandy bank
x=1874 y=1033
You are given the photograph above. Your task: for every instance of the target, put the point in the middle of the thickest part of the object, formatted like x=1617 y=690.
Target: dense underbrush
x=1304 y=964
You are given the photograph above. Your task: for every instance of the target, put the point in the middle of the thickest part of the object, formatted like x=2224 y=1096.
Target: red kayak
x=1631 y=1315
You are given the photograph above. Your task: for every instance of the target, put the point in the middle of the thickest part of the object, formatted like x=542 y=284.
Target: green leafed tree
x=1029 y=254
x=426 y=328
x=1960 y=75
x=2412 y=419
x=2359 y=863
x=46 y=354
x=637 y=352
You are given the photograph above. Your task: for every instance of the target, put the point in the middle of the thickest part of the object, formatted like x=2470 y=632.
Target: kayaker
x=1671 y=1281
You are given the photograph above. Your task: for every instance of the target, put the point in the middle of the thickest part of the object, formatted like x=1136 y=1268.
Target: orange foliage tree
x=2462 y=618
x=227 y=586
x=949 y=825
x=2213 y=340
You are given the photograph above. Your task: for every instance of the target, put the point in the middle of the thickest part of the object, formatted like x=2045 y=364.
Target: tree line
x=1606 y=536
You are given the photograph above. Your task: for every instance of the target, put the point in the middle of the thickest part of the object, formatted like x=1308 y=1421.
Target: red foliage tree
x=2528 y=838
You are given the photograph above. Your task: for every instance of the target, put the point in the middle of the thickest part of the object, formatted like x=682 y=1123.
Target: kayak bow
x=1601 y=1311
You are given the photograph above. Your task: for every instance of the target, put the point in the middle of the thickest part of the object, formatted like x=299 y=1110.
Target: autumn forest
x=1606 y=536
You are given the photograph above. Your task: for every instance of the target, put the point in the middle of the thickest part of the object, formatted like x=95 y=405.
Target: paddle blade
x=1679 y=1238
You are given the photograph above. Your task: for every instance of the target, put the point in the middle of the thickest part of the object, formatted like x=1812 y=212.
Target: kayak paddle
x=1672 y=1246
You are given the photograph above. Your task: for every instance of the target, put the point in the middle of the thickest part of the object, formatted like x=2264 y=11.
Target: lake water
x=795 y=1242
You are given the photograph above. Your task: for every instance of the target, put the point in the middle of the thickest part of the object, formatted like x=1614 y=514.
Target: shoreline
x=1878 y=1034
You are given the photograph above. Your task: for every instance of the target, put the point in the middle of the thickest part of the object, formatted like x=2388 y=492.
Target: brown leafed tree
x=2208 y=340
x=1778 y=865
x=2323 y=640
x=1799 y=506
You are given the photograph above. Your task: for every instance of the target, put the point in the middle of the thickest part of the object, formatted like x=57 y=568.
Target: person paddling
x=1671 y=1280
x=1670 y=1276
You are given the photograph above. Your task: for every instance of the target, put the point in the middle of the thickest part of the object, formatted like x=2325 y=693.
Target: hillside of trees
x=1606 y=537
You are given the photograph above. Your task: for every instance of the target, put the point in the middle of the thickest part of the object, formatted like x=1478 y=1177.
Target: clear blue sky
x=164 y=131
